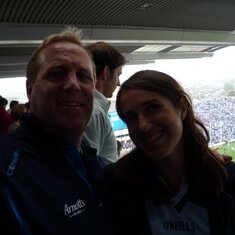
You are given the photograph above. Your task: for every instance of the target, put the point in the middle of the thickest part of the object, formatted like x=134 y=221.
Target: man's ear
x=29 y=87
x=106 y=72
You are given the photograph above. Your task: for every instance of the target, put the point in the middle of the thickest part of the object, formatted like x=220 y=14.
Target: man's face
x=62 y=95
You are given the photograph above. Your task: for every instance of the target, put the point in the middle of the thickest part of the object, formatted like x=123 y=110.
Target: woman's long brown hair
x=202 y=164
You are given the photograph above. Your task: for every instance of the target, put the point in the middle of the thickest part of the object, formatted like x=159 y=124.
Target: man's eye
x=55 y=75
x=153 y=106
x=84 y=77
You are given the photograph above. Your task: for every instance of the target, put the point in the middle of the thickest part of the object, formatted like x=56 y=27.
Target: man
x=49 y=184
x=99 y=133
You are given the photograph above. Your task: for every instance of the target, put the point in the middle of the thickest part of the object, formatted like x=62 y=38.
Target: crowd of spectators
x=218 y=114
x=10 y=118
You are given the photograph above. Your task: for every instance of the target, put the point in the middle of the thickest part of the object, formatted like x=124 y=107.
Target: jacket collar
x=33 y=133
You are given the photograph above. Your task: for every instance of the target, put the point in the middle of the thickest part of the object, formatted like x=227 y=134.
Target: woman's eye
x=130 y=118
x=153 y=108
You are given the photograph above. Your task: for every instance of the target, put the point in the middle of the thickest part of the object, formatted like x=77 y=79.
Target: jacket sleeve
x=12 y=221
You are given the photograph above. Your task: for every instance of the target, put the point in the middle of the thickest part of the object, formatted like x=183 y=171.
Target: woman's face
x=154 y=124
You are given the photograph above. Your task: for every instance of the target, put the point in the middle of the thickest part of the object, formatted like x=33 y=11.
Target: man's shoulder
x=97 y=109
x=7 y=147
x=230 y=183
x=7 y=139
x=101 y=101
x=99 y=115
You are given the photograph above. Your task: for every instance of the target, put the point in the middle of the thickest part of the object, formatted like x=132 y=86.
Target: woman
x=172 y=183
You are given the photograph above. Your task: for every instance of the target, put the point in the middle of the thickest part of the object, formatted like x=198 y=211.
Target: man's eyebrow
x=58 y=64
x=82 y=69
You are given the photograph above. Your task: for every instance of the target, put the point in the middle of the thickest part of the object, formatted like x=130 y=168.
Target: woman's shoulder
x=230 y=183
x=230 y=167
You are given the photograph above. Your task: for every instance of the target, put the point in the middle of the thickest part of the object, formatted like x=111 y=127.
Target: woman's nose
x=144 y=124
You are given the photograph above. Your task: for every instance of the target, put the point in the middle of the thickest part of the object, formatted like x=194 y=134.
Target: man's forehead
x=58 y=50
x=65 y=46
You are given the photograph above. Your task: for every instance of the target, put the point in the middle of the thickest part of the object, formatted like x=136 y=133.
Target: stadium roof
x=143 y=30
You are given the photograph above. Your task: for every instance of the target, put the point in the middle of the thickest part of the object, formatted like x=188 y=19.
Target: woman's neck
x=172 y=170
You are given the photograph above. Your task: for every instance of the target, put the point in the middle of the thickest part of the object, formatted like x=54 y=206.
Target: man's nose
x=72 y=82
x=118 y=83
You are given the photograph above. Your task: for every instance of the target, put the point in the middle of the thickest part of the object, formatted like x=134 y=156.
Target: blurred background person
x=12 y=104
x=99 y=133
x=5 y=117
x=16 y=113
x=119 y=148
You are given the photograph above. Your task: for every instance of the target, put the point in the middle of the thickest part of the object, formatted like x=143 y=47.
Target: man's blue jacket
x=49 y=187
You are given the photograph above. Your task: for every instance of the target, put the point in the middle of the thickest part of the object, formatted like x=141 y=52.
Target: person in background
x=49 y=183
x=12 y=104
x=119 y=148
x=5 y=117
x=99 y=133
x=172 y=182
x=16 y=113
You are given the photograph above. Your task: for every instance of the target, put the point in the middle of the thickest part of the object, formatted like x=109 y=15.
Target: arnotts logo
x=74 y=209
